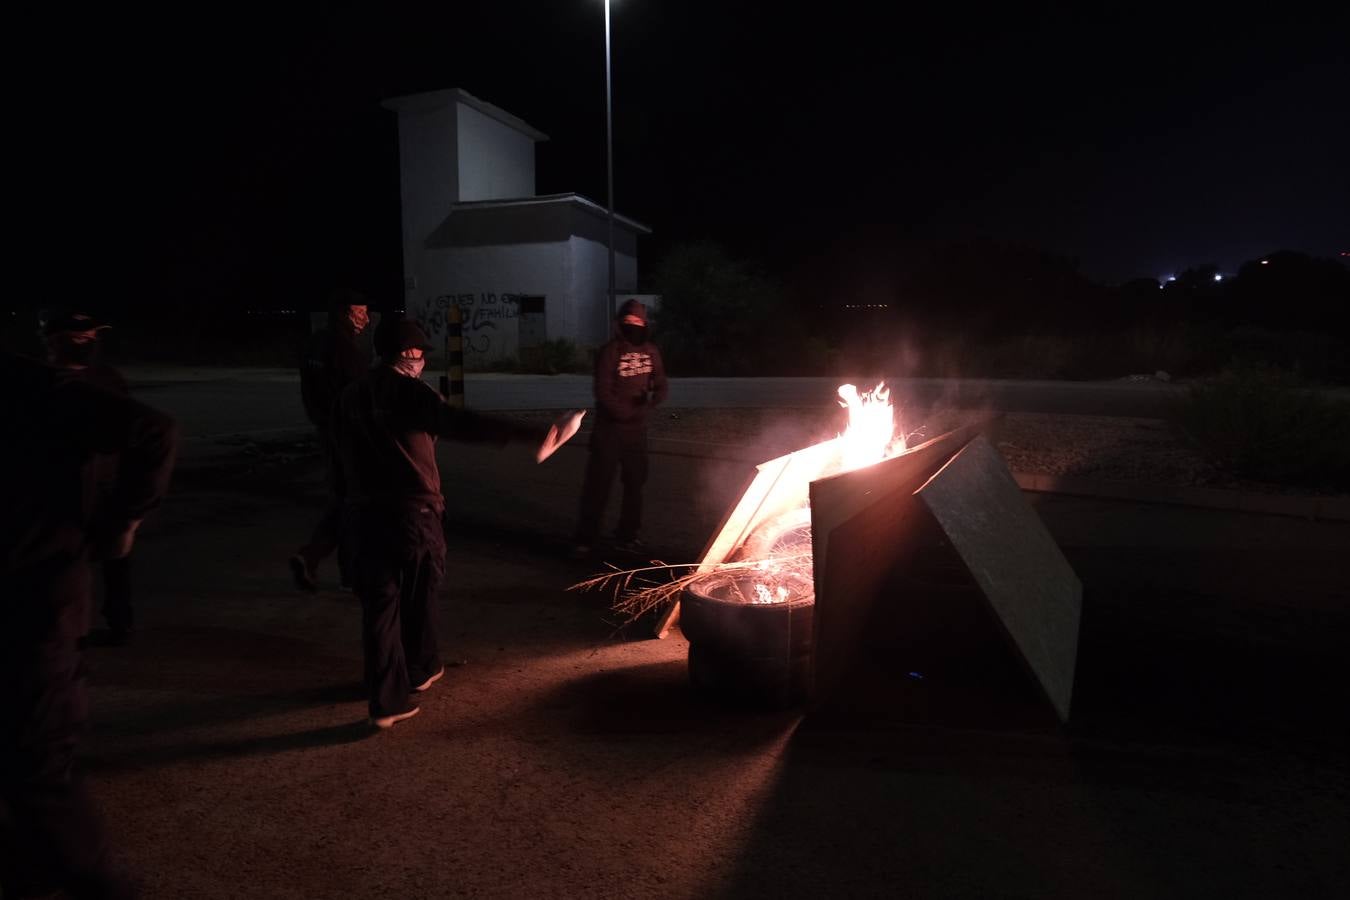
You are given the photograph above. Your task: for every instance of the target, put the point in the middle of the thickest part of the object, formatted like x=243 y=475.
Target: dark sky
x=245 y=148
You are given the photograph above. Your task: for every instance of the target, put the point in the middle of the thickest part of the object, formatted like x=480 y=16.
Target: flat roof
x=585 y=203
x=432 y=100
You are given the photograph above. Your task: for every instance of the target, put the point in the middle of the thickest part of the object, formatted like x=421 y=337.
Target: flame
x=784 y=515
x=764 y=595
x=870 y=436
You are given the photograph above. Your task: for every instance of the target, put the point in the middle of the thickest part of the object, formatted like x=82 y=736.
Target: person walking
x=51 y=837
x=630 y=381
x=334 y=357
x=385 y=429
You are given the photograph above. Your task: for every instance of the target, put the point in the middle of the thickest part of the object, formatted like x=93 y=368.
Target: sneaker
x=383 y=722
x=302 y=574
x=630 y=545
x=430 y=681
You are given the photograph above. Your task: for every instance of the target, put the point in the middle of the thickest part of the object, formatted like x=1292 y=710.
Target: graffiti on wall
x=483 y=314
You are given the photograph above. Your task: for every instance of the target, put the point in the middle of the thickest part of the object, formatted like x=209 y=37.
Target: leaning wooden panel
x=1030 y=587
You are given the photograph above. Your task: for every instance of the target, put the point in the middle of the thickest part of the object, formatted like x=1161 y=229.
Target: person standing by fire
x=385 y=428
x=333 y=358
x=73 y=347
x=50 y=527
x=630 y=381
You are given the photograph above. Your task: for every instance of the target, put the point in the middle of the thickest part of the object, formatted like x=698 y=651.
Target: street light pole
x=609 y=163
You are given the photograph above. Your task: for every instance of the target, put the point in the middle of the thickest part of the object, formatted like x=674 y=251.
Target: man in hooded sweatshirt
x=385 y=427
x=630 y=381
x=73 y=349
x=334 y=357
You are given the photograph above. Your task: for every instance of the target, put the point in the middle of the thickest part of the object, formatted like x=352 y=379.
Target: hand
x=113 y=542
x=559 y=433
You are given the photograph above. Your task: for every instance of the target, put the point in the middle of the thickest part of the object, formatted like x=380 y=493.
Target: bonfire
x=762 y=555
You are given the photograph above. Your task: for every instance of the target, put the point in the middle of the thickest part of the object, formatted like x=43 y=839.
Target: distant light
x=1218 y=277
x=1171 y=278
x=1266 y=262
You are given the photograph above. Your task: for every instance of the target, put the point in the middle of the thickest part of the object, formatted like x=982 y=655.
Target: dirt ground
x=560 y=757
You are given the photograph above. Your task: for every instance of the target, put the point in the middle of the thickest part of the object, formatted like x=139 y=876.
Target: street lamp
x=609 y=165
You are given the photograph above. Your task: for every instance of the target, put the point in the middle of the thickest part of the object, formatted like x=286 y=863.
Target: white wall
x=588 y=318
x=484 y=282
x=571 y=275
x=428 y=181
x=496 y=162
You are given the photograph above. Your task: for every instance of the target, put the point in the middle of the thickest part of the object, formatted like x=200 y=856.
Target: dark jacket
x=332 y=359
x=385 y=429
x=58 y=427
x=630 y=380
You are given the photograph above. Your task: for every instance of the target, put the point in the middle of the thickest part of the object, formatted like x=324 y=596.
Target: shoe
x=630 y=545
x=383 y=722
x=303 y=575
x=430 y=681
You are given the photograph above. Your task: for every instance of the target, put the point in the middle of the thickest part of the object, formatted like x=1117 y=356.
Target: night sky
x=244 y=152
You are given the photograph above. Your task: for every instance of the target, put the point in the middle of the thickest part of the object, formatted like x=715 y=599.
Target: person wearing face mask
x=630 y=381
x=73 y=348
x=385 y=428
x=334 y=357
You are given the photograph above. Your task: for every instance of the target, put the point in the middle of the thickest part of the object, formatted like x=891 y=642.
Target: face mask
x=74 y=353
x=410 y=367
x=633 y=334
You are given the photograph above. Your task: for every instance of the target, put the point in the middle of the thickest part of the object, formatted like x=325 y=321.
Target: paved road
x=215 y=403
x=1204 y=758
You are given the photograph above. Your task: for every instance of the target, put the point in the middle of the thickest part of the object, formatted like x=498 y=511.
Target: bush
x=1261 y=423
x=554 y=357
x=720 y=316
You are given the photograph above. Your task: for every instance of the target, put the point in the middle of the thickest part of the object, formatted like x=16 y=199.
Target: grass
x=1260 y=423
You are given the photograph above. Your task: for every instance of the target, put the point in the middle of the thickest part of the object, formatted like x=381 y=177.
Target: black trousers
x=398 y=560
x=117 y=593
x=620 y=451
x=52 y=835
x=327 y=535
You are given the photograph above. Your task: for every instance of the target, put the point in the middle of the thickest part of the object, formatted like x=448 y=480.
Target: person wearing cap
x=333 y=358
x=51 y=837
x=73 y=347
x=630 y=381
x=385 y=428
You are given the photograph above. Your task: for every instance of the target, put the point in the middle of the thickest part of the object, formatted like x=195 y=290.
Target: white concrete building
x=522 y=268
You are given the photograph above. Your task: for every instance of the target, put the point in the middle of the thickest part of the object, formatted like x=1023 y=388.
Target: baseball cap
x=393 y=336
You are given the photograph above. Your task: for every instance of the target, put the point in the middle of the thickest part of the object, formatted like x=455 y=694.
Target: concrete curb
x=1332 y=509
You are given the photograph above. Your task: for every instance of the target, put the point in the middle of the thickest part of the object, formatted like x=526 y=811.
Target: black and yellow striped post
x=452 y=384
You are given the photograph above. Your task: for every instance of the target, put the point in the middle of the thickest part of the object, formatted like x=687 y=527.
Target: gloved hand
x=113 y=540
